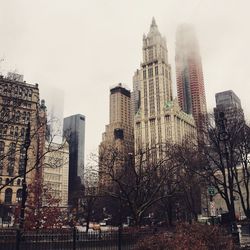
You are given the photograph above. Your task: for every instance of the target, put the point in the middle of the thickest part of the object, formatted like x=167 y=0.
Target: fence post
x=239 y=232
x=74 y=238
x=18 y=238
x=120 y=237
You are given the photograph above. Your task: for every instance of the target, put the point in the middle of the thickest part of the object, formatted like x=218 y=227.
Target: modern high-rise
x=158 y=118
x=189 y=76
x=74 y=131
x=118 y=134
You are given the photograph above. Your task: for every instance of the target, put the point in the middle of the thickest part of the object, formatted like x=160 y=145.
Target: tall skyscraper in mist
x=74 y=131
x=158 y=117
x=189 y=75
x=55 y=107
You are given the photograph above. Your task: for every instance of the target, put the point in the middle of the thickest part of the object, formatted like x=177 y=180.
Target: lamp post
x=224 y=138
x=24 y=184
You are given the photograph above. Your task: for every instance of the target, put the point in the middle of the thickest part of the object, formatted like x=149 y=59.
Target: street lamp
x=224 y=138
x=24 y=184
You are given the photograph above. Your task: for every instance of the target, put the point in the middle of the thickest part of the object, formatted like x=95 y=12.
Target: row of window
x=9 y=193
x=16 y=102
x=7 y=182
x=10 y=158
x=151 y=73
x=14 y=90
x=13 y=131
x=15 y=116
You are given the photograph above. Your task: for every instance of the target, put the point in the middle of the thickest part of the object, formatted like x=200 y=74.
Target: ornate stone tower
x=154 y=125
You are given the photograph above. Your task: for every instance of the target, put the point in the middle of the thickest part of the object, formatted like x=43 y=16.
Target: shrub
x=195 y=237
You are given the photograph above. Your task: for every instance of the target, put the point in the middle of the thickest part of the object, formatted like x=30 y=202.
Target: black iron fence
x=69 y=239
x=72 y=239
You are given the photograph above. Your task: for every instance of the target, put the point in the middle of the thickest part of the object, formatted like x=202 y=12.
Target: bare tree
x=190 y=183
x=222 y=161
x=137 y=184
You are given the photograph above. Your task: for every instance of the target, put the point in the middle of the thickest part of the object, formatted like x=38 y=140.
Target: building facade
x=228 y=103
x=20 y=111
x=158 y=115
x=118 y=135
x=189 y=76
x=74 y=131
x=55 y=171
x=135 y=95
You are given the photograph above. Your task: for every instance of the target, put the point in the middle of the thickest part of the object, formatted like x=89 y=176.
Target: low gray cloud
x=84 y=47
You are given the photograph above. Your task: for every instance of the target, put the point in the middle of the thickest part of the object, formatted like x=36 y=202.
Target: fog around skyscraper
x=84 y=47
x=54 y=100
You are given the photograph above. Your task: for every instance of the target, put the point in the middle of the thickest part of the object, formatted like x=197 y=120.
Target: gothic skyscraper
x=158 y=118
x=189 y=75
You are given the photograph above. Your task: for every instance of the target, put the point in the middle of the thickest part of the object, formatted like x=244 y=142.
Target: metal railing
x=68 y=239
x=72 y=239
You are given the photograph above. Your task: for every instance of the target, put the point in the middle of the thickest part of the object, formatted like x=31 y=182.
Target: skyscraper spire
x=153 y=28
x=153 y=24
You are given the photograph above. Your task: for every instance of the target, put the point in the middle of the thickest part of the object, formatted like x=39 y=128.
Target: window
x=18 y=182
x=144 y=74
x=1 y=154
x=28 y=116
x=8 y=195
x=22 y=132
x=11 y=166
x=5 y=114
x=150 y=72
x=12 y=149
x=5 y=129
x=5 y=89
x=156 y=70
x=18 y=116
x=11 y=158
x=26 y=92
x=24 y=116
x=30 y=93
x=150 y=54
x=19 y=195
x=118 y=134
x=16 y=132
x=11 y=130
x=20 y=91
x=21 y=161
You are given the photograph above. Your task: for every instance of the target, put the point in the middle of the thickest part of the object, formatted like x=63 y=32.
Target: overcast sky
x=85 y=46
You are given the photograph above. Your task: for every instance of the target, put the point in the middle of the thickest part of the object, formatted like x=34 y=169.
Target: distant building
x=118 y=133
x=228 y=103
x=19 y=108
x=189 y=77
x=55 y=171
x=55 y=107
x=74 y=131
